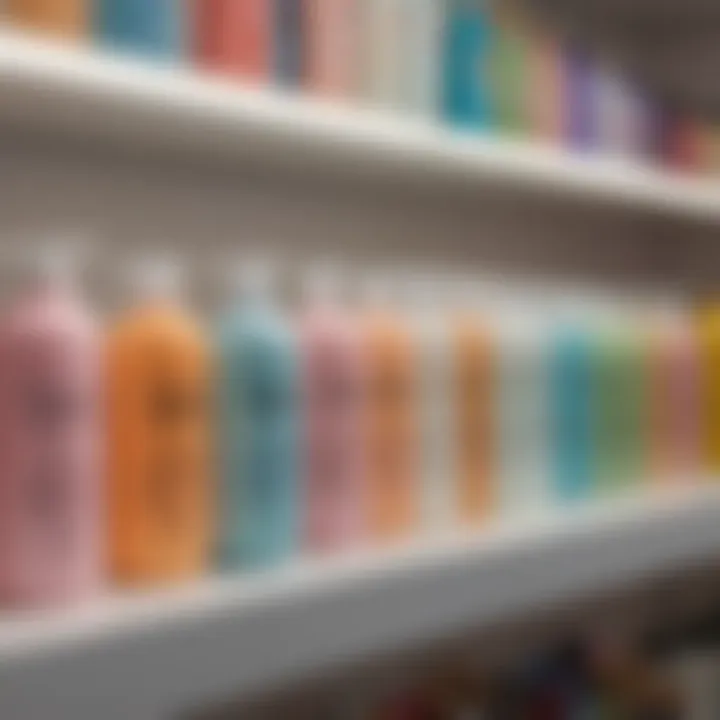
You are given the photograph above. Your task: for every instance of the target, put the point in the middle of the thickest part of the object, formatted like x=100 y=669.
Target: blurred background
x=540 y=169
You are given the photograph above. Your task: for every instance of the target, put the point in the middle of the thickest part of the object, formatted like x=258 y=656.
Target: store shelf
x=146 y=657
x=90 y=95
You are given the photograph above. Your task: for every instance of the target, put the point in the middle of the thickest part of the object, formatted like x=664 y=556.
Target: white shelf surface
x=83 y=92
x=151 y=655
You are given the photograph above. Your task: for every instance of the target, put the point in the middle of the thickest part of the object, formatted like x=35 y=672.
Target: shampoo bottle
x=235 y=37
x=159 y=382
x=708 y=333
x=257 y=396
x=428 y=319
x=473 y=402
x=331 y=381
x=621 y=401
x=467 y=54
x=50 y=442
x=331 y=55
x=572 y=393
x=156 y=29
x=390 y=417
x=59 y=18
x=522 y=410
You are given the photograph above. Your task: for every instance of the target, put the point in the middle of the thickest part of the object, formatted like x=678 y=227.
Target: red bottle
x=234 y=37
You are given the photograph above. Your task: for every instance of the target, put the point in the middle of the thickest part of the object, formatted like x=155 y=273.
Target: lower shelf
x=151 y=655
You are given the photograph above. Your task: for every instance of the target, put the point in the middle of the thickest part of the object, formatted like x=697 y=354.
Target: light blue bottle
x=572 y=399
x=151 y=28
x=257 y=397
x=468 y=47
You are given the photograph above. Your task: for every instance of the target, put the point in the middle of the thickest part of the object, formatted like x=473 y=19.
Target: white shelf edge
x=87 y=92
x=233 y=636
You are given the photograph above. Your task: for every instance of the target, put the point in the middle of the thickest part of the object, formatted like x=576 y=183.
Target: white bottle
x=381 y=50
x=421 y=56
x=522 y=393
x=425 y=310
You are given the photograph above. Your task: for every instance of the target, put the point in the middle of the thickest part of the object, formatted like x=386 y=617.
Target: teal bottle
x=571 y=409
x=151 y=28
x=467 y=88
x=257 y=398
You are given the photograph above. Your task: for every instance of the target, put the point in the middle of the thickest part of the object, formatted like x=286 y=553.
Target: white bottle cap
x=157 y=278
x=254 y=280
x=322 y=284
x=377 y=292
x=53 y=261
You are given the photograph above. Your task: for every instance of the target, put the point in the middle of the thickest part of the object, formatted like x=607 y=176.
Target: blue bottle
x=151 y=28
x=467 y=87
x=571 y=408
x=257 y=398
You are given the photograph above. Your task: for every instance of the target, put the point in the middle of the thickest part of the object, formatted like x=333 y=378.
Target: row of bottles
x=488 y=65
x=161 y=447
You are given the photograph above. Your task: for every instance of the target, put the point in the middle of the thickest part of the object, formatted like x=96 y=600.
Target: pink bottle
x=675 y=420
x=331 y=377
x=49 y=436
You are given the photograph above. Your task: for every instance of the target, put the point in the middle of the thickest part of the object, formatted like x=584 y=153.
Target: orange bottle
x=158 y=446
x=63 y=18
x=708 y=333
x=390 y=421
x=473 y=404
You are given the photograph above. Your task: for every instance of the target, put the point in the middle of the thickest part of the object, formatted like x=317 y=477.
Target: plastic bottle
x=258 y=387
x=580 y=94
x=544 y=88
x=673 y=394
x=235 y=37
x=509 y=67
x=159 y=382
x=331 y=54
x=428 y=319
x=331 y=378
x=156 y=29
x=467 y=85
x=391 y=416
x=523 y=438
x=59 y=18
x=290 y=22
x=422 y=50
x=572 y=388
x=381 y=52
x=50 y=474
x=473 y=401
x=708 y=332
x=621 y=418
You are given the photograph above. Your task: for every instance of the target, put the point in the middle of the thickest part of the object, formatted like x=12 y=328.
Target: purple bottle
x=580 y=96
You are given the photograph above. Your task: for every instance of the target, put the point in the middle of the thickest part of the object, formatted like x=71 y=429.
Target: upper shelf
x=133 y=104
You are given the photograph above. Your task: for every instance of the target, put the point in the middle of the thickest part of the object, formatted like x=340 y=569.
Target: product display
x=488 y=66
x=429 y=407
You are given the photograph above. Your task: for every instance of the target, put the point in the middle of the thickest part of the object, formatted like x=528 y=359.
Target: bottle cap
x=156 y=278
x=254 y=280
x=377 y=291
x=53 y=261
x=322 y=284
